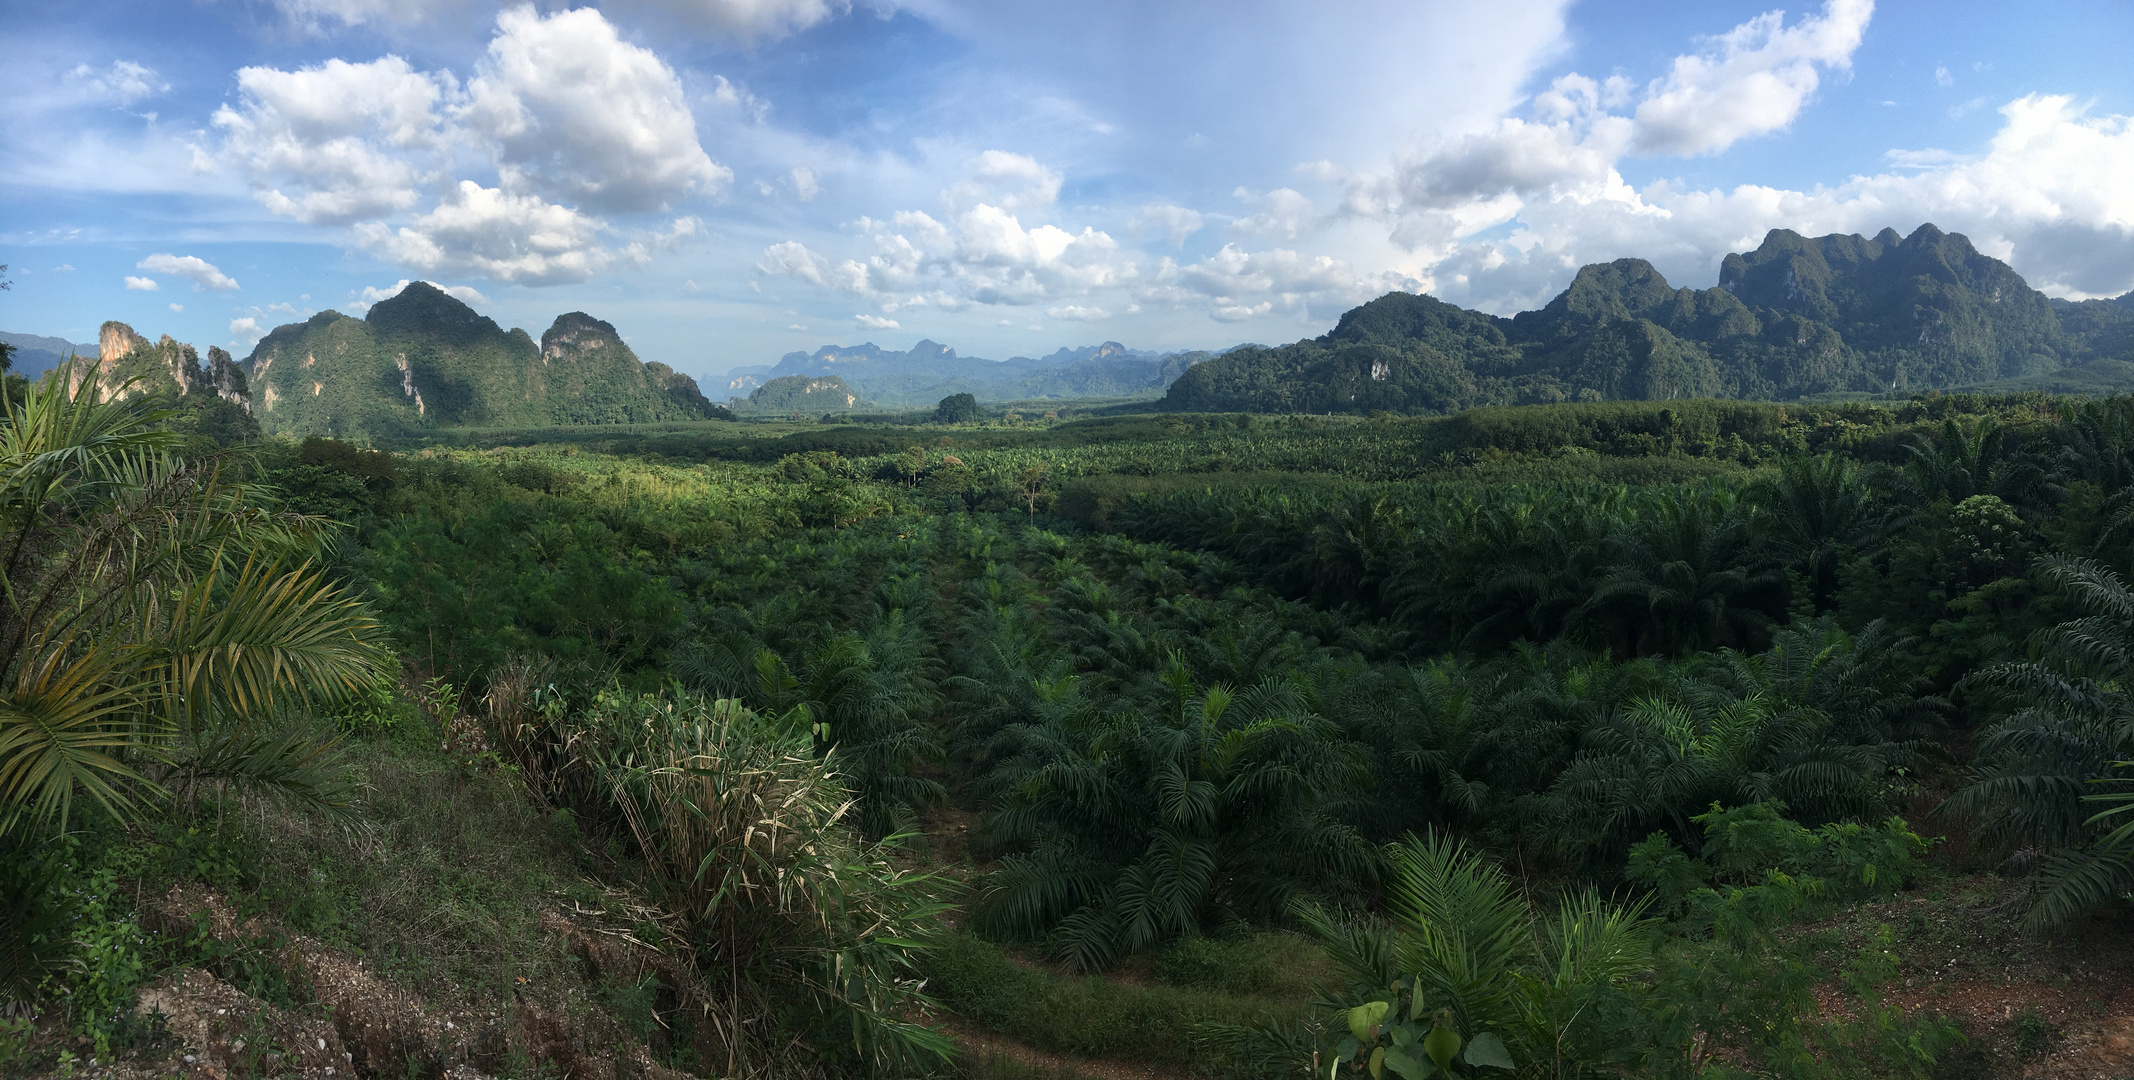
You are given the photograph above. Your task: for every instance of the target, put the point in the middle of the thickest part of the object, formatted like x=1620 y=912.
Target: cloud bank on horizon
x=1002 y=174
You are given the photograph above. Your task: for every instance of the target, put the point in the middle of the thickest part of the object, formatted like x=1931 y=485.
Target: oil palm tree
x=862 y=694
x=1462 y=951
x=1734 y=729
x=1692 y=573
x=158 y=621
x=2071 y=728
x=1820 y=512
x=1961 y=464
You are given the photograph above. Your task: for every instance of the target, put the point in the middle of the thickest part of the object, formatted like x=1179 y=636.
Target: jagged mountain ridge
x=423 y=359
x=1796 y=317
x=929 y=371
x=125 y=364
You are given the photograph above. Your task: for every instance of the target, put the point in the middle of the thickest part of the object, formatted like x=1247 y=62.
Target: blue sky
x=728 y=180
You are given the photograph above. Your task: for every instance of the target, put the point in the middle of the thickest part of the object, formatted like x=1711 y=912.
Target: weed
x=636 y=1004
x=255 y=966
x=2032 y=1034
x=15 y=1032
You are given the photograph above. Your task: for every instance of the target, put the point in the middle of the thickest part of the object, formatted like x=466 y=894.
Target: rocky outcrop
x=226 y=379
x=577 y=336
x=128 y=365
x=804 y=393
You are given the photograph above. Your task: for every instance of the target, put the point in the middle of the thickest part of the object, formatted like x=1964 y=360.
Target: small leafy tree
x=956 y=409
x=911 y=465
x=1031 y=484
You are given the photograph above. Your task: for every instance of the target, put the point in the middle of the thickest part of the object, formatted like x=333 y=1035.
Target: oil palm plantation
x=1138 y=826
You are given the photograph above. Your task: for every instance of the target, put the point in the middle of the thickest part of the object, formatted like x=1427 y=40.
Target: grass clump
x=1087 y=1016
x=1262 y=965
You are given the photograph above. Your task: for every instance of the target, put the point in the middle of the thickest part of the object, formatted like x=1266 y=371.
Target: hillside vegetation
x=423 y=359
x=930 y=371
x=1796 y=317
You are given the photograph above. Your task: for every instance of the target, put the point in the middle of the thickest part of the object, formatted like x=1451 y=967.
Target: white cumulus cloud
x=979 y=252
x=875 y=322
x=791 y=259
x=573 y=111
x=1284 y=214
x=1172 y=222
x=246 y=331
x=193 y=268
x=122 y=83
x=338 y=142
x=1751 y=80
x=572 y=122
x=492 y=233
x=177 y=309
x=1078 y=313
x=141 y=284
x=1234 y=284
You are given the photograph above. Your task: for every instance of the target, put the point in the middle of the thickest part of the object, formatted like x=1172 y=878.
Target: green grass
x=437 y=881
x=1095 y=1017
x=1276 y=967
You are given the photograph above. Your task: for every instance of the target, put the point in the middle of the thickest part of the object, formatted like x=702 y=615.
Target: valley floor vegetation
x=1654 y=739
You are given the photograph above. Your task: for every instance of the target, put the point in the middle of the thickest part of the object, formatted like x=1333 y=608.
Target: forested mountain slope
x=424 y=359
x=1795 y=317
x=930 y=371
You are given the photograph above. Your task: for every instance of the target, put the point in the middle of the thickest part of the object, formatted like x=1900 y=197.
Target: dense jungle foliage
x=1541 y=737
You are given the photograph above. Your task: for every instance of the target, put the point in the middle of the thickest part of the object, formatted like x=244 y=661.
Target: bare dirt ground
x=2048 y=1005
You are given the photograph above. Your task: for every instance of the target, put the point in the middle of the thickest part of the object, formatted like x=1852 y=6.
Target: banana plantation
x=1636 y=739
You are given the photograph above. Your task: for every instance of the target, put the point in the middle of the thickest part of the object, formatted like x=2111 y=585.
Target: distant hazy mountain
x=35 y=354
x=805 y=393
x=423 y=359
x=741 y=380
x=930 y=371
x=1795 y=317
